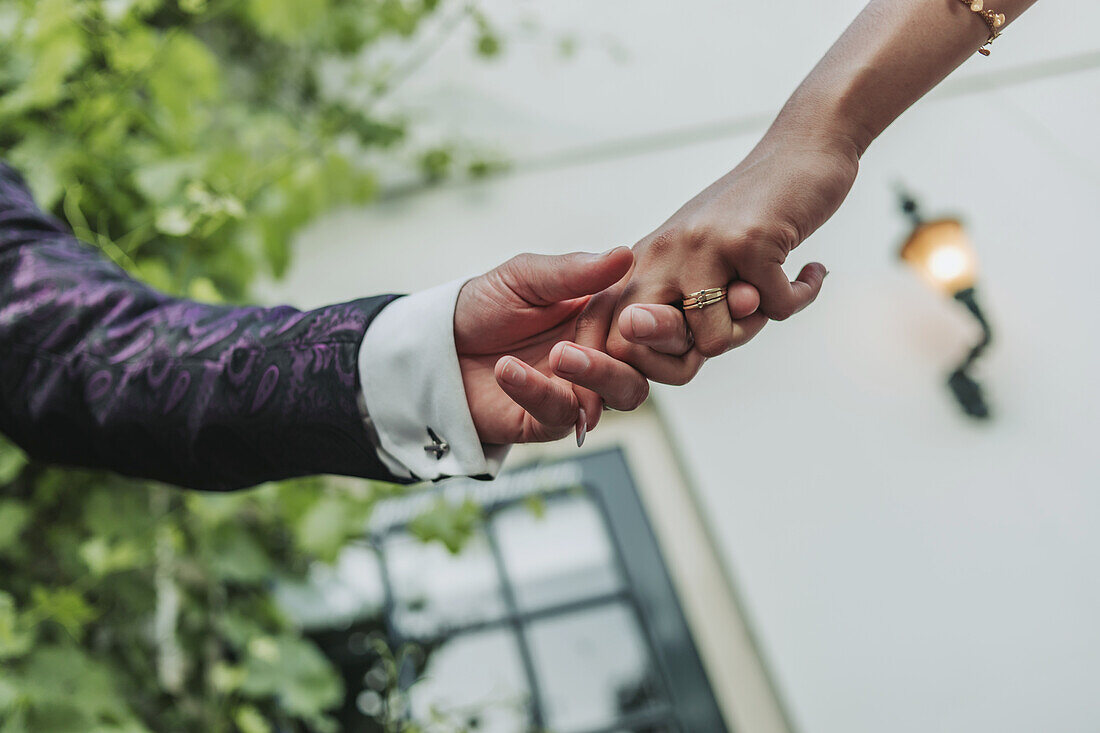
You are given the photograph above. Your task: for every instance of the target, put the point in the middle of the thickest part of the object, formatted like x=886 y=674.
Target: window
x=561 y=619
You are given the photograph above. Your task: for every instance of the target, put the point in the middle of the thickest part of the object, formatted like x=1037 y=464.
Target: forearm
x=744 y=226
x=889 y=57
x=99 y=370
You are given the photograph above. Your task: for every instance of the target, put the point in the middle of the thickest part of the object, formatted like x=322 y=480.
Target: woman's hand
x=742 y=227
x=508 y=325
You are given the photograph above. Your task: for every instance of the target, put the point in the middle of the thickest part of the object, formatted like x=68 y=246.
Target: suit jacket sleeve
x=102 y=371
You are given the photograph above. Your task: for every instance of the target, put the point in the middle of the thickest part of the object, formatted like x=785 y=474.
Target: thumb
x=548 y=279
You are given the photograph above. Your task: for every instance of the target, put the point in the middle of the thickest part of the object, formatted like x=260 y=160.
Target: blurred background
x=811 y=536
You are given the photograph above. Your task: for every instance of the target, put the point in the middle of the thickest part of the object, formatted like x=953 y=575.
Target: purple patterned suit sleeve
x=99 y=370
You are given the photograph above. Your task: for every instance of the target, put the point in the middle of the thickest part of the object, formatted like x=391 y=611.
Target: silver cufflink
x=438 y=446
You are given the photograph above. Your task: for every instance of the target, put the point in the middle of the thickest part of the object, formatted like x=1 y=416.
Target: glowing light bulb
x=946 y=263
x=940 y=251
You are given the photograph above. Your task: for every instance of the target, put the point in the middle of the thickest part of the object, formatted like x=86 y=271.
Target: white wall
x=906 y=570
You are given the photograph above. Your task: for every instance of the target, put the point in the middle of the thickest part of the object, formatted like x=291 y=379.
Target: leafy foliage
x=189 y=140
x=135 y=607
x=451 y=525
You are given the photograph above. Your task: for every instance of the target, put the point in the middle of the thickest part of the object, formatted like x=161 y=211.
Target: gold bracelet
x=994 y=20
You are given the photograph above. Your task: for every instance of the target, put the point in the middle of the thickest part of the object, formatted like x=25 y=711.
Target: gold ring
x=703 y=298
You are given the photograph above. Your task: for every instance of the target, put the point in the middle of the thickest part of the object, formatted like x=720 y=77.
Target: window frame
x=647 y=590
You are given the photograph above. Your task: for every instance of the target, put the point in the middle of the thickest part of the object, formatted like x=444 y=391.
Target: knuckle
x=619 y=348
x=514 y=426
x=663 y=243
x=693 y=362
x=710 y=345
x=637 y=395
x=741 y=338
x=680 y=377
x=787 y=235
x=697 y=235
x=779 y=237
x=513 y=271
x=781 y=312
x=764 y=248
x=512 y=277
x=542 y=399
x=522 y=261
x=537 y=398
x=591 y=325
x=629 y=292
x=557 y=410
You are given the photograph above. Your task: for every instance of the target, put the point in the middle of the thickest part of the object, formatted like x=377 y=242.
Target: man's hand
x=507 y=323
x=742 y=228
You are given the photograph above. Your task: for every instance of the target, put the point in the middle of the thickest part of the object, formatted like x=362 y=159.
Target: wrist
x=822 y=121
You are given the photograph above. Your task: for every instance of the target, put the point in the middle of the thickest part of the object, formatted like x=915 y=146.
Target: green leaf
x=118 y=512
x=45 y=161
x=536 y=505
x=327 y=526
x=16 y=723
x=195 y=7
x=16 y=638
x=58 y=47
x=14 y=516
x=134 y=49
x=234 y=555
x=73 y=686
x=204 y=290
x=450 y=525
x=160 y=181
x=103 y=558
x=249 y=720
x=485 y=167
x=436 y=163
x=226 y=678
x=214 y=509
x=296 y=673
x=183 y=74
x=63 y=606
x=175 y=221
x=156 y=272
x=12 y=461
x=9 y=693
x=116 y=10
x=487 y=43
x=286 y=20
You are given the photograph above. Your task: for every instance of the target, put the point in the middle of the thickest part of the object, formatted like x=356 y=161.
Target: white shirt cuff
x=412 y=384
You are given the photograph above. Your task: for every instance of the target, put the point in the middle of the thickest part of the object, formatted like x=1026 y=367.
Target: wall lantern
x=941 y=252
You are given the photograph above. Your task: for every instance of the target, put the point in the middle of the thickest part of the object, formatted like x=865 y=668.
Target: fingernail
x=513 y=373
x=643 y=322
x=572 y=360
x=582 y=428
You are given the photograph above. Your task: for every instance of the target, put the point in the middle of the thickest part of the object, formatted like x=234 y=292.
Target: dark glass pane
x=593 y=667
x=564 y=555
x=475 y=681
